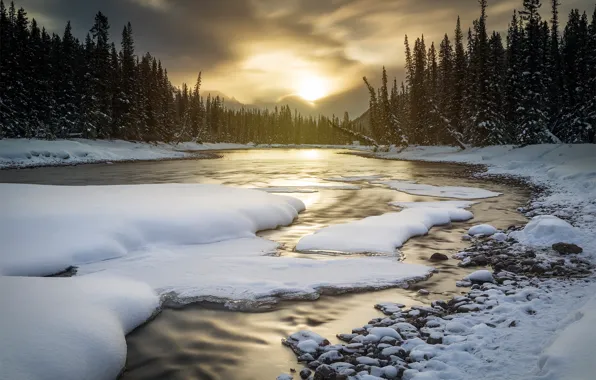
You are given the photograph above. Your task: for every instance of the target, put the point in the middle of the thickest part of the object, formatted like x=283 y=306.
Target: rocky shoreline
x=405 y=341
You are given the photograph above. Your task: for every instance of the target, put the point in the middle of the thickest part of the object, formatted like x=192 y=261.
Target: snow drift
x=69 y=328
x=45 y=229
x=383 y=233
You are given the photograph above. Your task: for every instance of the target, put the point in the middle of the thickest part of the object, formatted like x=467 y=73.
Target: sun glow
x=312 y=88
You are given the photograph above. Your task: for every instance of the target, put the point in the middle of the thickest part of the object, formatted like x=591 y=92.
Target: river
x=204 y=341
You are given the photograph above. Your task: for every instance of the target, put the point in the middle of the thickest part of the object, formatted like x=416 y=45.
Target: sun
x=312 y=88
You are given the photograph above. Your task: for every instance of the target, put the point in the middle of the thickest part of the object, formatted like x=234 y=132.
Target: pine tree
x=127 y=97
x=100 y=70
x=555 y=68
x=532 y=128
x=66 y=90
x=480 y=115
x=459 y=80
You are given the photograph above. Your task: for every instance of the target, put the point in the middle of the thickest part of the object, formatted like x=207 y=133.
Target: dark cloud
x=341 y=39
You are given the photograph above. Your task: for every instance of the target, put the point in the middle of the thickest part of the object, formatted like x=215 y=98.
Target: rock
x=330 y=357
x=423 y=292
x=480 y=260
x=346 y=337
x=466 y=237
x=285 y=376
x=480 y=276
x=439 y=257
x=567 y=249
x=528 y=262
x=314 y=364
x=325 y=372
x=482 y=229
x=305 y=373
x=390 y=372
x=306 y=358
x=435 y=338
x=499 y=236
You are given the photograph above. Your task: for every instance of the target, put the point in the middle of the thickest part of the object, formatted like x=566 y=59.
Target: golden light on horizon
x=310 y=154
x=312 y=88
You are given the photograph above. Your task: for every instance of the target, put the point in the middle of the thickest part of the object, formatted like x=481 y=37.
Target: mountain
x=355 y=101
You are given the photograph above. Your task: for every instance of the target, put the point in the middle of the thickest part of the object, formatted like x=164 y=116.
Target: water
x=206 y=342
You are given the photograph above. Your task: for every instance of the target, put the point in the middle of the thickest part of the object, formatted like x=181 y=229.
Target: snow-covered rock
x=69 y=328
x=480 y=276
x=482 y=229
x=380 y=234
x=546 y=230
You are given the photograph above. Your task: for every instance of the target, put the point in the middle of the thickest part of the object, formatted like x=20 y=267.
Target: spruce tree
x=101 y=80
x=459 y=80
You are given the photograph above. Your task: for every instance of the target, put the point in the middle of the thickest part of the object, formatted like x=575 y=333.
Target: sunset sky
x=261 y=51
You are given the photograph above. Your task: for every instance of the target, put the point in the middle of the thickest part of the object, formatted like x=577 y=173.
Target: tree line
x=538 y=85
x=55 y=86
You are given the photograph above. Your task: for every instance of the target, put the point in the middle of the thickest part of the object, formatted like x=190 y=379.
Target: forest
x=54 y=87
x=536 y=85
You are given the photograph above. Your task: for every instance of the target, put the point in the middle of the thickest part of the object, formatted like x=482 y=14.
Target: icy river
x=206 y=341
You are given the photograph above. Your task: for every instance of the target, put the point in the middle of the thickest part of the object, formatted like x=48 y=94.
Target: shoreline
x=328 y=361
x=25 y=154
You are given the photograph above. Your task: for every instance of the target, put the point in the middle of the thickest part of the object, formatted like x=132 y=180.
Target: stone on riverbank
x=439 y=257
x=567 y=249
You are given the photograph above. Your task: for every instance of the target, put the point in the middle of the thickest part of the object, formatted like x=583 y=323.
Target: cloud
x=261 y=49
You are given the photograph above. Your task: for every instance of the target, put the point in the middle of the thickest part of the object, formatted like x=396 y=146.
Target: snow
x=69 y=328
x=457 y=192
x=571 y=354
x=363 y=178
x=244 y=270
x=545 y=341
x=482 y=229
x=33 y=152
x=546 y=230
x=480 y=276
x=384 y=331
x=45 y=229
x=306 y=189
x=499 y=236
x=380 y=234
x=439 y=204
x=189 y=242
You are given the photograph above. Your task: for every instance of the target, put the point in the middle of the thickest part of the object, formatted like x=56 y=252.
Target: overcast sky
x=264 y=50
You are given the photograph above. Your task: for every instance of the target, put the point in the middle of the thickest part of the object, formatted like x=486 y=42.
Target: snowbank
x=439 y=191
x=27 y=153
x=527 y=321
x=568 y=168
x=380 y=234
x=187 y=241
x=546 y=230
x=571 y=354
x=69 y=328
x=244 y=270
x=45 y=229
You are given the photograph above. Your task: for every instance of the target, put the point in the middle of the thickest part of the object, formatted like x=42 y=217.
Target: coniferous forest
x=535 y=85
x=55 y=86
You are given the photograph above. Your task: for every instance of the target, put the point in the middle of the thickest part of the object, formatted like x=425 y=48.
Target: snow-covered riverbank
x=22 y=153
x=520 y=328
